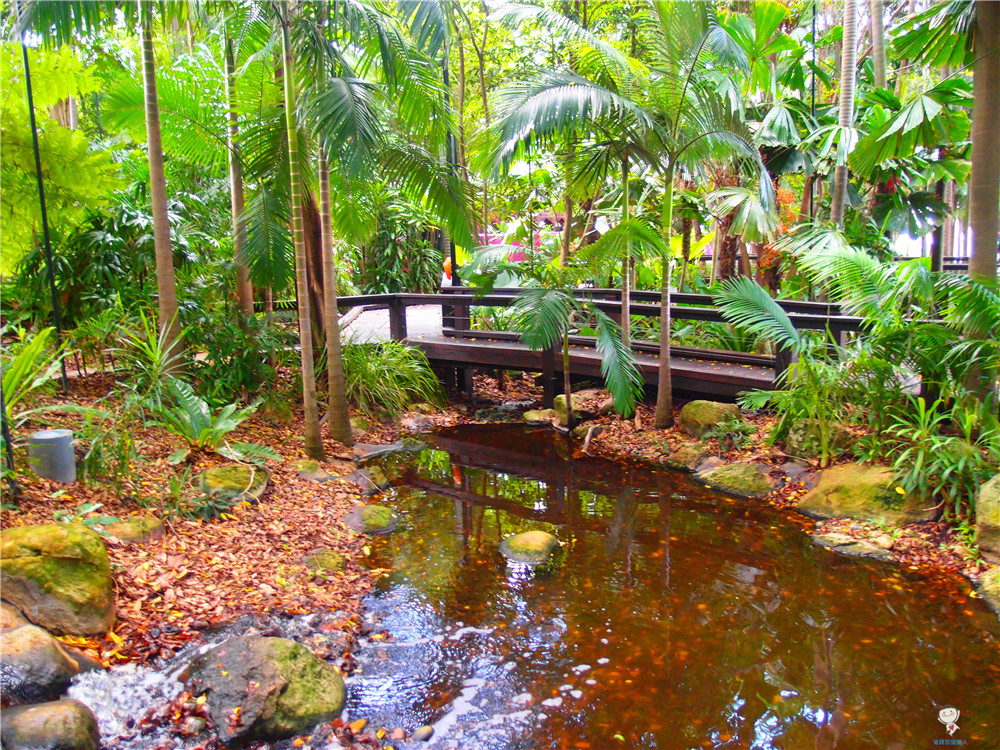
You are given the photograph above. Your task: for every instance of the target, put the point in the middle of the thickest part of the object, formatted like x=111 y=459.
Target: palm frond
x=745 y=303
x=635 y=236
x=542 y=316
x=618 y=364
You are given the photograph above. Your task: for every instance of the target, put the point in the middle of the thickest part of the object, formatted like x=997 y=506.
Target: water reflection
x=672 y=617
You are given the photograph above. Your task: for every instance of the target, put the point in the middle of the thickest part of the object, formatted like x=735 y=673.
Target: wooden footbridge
x=455 y=349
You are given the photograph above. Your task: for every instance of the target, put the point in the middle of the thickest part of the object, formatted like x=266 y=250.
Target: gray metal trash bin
x=50 y=455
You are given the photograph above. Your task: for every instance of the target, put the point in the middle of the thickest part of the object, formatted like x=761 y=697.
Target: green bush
x=388 y=377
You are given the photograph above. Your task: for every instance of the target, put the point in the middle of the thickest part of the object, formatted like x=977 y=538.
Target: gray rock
x=423 y=734
x=419 y=423
x=59 y=576
x=698 y=417
x=280 y=688
x=58 y=725
x=34 y=666
x=864 y=493
x=744 y=480
x=137 y=529
x=235 y=481
x=989 y=588
x=532 y=547
x=988 y=519
x=688 y=457
x=312 y=470
x=847 y=545
x=10 y=616
x=540 y=416
x=803 y=439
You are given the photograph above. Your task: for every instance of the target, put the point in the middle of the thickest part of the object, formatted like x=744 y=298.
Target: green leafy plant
x=388 y=377
x=28 y=368
x=80 y=514
x=191 y=419
x=733 y=432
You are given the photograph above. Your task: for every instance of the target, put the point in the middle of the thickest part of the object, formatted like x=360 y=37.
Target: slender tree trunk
x=568 y=203
x=461 y=108
x=481 y=62
x=166 y=284
x=984 y=182
x=567 y=384
x=338 y=417
x=685 y=251
x=949 y=223
x=313 y=441
x=244 y=291
x=878 y=42
x=664 y=416
x=626 y=260
x=847 y=80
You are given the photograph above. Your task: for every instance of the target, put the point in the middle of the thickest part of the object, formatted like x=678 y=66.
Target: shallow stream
x=672 y=617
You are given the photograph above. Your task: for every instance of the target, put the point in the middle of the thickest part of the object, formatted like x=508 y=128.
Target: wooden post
x=397 y=320
x=550 y=382
x=782 y=361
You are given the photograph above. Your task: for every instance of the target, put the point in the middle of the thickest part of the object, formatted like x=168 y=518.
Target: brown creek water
x=673 y=617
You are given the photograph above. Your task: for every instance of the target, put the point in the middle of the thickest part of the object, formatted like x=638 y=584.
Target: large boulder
x=57 y=725
x=864 y=493
x=34 y=666
x=988 y=519
x=803 y=439
x=744 y=480
x=237 y=482
x=278 y=687
x=136 y=529
x=559 y=407
x=697 y=418
x=989 y=588
x=371 y=519
x=59 y=576
x=532 y=547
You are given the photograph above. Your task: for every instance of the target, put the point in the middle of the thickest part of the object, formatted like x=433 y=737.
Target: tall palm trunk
x=338 y=418
x=313 y=441
x=244 y=291
x=166 y=285
x=984 y=182
x=664 y=416
x=848 y=75
x=626 y=260
x=878 y=43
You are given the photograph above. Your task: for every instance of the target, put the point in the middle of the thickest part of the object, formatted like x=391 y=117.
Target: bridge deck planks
x=690 y=376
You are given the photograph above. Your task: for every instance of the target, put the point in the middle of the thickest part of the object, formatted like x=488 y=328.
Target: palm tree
x=313 y=440
x=56 y=22
x=848 y=76
x=984 y=182
x=244 y=291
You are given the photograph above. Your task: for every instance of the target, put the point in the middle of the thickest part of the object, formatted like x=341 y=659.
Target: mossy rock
x=235 y=481
x=803 y=439
x=324 y=560
x=688 y=456
x=848 y=545
x=988 y=519
x=989 y=588
x=372 y=519
x=425 y=408
x=559 y=407
x=531 y=547
x=539 y=416
x=280 y=688
x=312 y=470
x=136 y=529
x=744 y=480
x=697 y=418
x=864 y=493
x=59 y=576
x=359 y=426
x=56 y=725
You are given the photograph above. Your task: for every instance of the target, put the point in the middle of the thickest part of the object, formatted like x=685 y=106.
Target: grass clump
x=388 y=377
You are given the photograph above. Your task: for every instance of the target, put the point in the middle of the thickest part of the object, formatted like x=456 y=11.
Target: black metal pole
x=45 y=218
x=452 y=165
x=8 y=442
x=812 y=183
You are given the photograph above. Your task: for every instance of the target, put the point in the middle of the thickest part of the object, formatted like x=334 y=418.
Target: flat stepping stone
x=848 y=545
x=743 y=480
x=236 y=481
x=136 y=529
x=324 y=560
x=313 y=471
x=531 y=547
x=364 y=452
x=371 y=519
